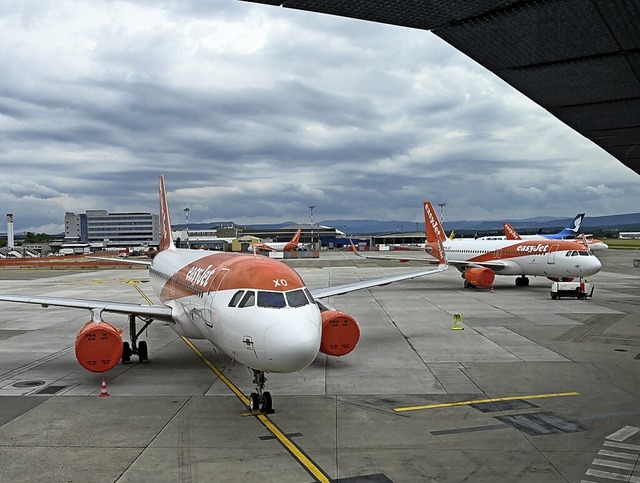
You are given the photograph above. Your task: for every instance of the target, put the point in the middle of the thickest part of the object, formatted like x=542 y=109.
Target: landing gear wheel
x=143 y=351
x=254 y=402
x=466 y=284
x=261 y=399
x=267 y=404
x=126 y=353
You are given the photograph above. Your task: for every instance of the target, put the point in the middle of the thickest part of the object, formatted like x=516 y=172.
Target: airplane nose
x=291 y=345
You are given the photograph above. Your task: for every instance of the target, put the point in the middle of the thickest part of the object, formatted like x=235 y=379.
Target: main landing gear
x=522 y=281
x=139 y=349
x=261 y=399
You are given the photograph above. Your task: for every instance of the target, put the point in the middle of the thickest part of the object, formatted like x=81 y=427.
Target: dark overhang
x=579 y=59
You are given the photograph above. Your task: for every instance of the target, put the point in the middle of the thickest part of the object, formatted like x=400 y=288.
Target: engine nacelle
x=99 y=346
x=479 y=276
x=340 y=333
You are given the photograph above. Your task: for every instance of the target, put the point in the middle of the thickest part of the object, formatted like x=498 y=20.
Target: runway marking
x=488 y=400
x=294 y=450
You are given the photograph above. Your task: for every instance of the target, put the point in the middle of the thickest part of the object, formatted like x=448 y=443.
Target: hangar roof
x=579 y=59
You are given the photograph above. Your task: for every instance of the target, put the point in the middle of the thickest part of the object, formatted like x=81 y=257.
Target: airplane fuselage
x=547 y=258
x=254 y=309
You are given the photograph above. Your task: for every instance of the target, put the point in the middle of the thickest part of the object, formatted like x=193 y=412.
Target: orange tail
x=435 y=232
x=166 y=242
x=296 y=237
x=510 y=232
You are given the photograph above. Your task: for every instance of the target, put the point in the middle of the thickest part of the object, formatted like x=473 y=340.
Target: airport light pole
x=186 y=215
x=311 y=207
x=441 y=205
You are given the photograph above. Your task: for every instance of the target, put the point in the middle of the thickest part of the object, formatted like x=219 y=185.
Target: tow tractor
x=580 y=289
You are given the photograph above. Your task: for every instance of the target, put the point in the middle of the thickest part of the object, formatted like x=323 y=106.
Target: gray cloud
x=253 y=113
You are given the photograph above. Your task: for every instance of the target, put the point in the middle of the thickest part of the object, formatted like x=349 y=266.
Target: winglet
x=510 y=232
x=166 y=241
x=354 y=249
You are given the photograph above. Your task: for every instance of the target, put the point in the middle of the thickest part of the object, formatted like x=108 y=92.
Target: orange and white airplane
x=510 y=233
x=292 y=244
x=254 y=309
x=479 y=260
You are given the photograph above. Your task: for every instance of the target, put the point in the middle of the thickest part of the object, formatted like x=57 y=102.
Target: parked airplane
x=254 y=309
x=568 y=232
x=592 y=243
x=292 y=244
x=480 y=260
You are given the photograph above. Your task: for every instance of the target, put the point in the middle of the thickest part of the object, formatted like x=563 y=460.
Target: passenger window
x=236 y=298
x=296 y=298
x=274 y=300
x=248 y=300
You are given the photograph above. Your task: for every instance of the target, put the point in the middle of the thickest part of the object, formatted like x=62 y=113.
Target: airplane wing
x=399 y=258
x=352 y=287
x=122 y=260
x=157 y=312
x=496 y=265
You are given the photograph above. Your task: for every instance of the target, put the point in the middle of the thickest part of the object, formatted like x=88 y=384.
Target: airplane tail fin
x=573 y=227
x=435 y=233
x=166 y=241
x=433 y=227
x=296 y=237
x=510 y=232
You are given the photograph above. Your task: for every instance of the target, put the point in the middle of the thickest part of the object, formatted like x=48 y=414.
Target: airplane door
x=210 y=315
x=215 y=283
x=551 y=256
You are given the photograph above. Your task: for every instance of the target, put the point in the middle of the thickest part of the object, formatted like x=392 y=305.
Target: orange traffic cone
x=103 y=389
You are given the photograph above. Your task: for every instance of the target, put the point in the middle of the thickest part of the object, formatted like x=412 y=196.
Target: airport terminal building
x=112 y=229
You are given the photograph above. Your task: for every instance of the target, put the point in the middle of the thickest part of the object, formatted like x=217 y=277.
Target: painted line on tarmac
x=488 y=400
x=294 y=450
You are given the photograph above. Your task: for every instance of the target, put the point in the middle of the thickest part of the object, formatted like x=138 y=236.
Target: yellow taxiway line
x=488 y=400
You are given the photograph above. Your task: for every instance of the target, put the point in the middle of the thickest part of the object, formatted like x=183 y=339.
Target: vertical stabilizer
x=435 y=233
x=510 y=232
x=434 y=228
x=296 y=238
x=166 y=241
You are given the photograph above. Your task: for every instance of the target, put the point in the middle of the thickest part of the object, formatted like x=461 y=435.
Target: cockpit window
x=273 y=300
x=248 y=300
x=584 y=253
x=236 y=298
x=296 y=298
x=309 y=296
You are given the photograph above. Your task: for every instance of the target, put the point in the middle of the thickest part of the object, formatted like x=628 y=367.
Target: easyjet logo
x=539 y=248
x=200 y=276
x=511 y=231
x=433 y=221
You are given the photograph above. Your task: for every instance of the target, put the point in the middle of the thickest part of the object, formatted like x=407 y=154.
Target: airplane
x=479 y=260
x=292 y=244
x=254 y=309
x=592 y=243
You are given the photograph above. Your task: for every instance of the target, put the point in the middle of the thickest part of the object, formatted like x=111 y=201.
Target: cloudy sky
x=253 y=113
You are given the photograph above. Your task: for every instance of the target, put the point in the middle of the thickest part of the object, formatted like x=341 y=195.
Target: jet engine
x=479 y=277
x=340 y=333
x=99 y=346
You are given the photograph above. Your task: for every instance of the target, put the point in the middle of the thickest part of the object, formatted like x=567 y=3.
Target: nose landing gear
x=261 y=399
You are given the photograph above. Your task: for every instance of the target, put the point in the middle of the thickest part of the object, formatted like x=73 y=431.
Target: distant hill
x=548 y=224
